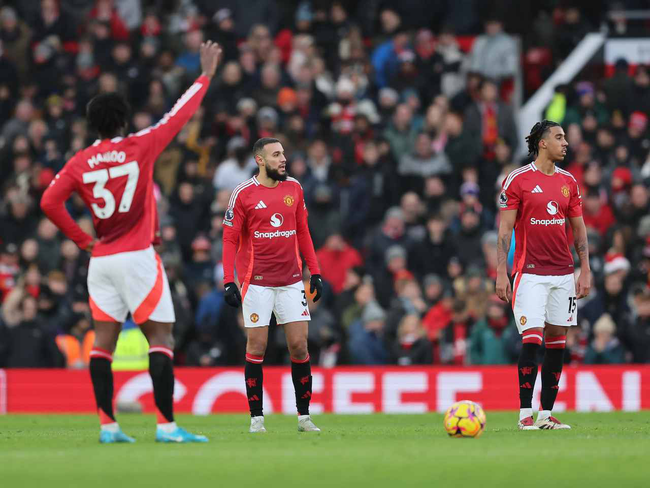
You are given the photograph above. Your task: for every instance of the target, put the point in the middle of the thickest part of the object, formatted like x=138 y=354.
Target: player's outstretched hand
x=210 y=57
x=504 y=289
x=583 y=286
x=232 y=295
x=316 y=285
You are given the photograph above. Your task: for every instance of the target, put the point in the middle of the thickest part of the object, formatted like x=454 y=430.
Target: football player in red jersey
x=537 y=200
x=114 y=177
x=265 y=232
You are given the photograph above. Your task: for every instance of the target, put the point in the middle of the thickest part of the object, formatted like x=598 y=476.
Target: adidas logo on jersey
x=260 y=205
x=305 y=313
x=537 y=189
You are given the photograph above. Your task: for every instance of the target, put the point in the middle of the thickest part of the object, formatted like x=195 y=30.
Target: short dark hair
x=108 y=113
x=537 y=133
x=260 y=143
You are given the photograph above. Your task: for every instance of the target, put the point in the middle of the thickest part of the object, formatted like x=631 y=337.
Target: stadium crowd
x=398 y=123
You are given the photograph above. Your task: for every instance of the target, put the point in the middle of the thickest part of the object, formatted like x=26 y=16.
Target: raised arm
x=161 y=134
x=503 y=287
x=583 y=284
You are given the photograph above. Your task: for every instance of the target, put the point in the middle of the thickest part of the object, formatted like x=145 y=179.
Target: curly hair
x=108 y=114
x=537 y=133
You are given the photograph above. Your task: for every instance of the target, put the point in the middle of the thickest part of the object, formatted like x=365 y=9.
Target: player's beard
x=275 y=174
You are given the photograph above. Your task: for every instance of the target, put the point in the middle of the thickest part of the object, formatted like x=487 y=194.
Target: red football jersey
x=543 y=204
x=267 y=229
x=114 y=177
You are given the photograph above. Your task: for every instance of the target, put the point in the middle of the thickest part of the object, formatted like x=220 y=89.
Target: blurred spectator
x=366 y=341
x=492 y=120
x=238 y=167
x=637 y=336
x=605 y=348
x=432 y=254
x=494 y=54
x=571 y=32
x=488 y=337
x=385 y=58
x=423 y=162
x=412 y=346
x=26 y=339
x=336 y=257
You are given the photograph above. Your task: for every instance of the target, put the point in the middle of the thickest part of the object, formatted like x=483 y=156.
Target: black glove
x=316 y=285
x=232 y=295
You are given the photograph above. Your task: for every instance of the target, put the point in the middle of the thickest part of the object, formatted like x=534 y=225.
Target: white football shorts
x=133 y=282
x=288 y=303
x=538 y=299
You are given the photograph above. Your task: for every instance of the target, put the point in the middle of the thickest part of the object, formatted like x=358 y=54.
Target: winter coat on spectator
x=612 y=354
x=488 y=345
x=366 y=341
x=494 y=56
x=463 y=151
x=637 y=339
x=428 y=257
x=15 y=44
x=411 y=165
x=366 y=347
x=401 y=142
x=506 y=125
x=335 y=265
x=420 y=352
x=29 y=344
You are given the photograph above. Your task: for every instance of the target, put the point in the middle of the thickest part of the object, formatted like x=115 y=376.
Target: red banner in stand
x=345 y=390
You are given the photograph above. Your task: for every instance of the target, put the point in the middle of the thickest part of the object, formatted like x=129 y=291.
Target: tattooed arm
x=582 y=249
x=503 y=288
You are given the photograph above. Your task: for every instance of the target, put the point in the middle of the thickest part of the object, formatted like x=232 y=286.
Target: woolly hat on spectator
x=304 y=13
x=287 y=95
x=389 y=95
x=235 y=143
x=343 y=86
x=395 y=252
x=8 y=248
x=367 y=107
x=638 y=120
x=372 y=312
x=8 y=13
x=222 y=14
x=432 y=279
x=605 y=324
x=469 y=188
x=616 y=262
x=394 y=213
x=246 y=103
x=267 y=113
x=585 y=88
x=621 y=178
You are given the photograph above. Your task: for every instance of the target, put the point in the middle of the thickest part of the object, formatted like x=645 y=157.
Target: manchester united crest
x=523 y=320
x=254 y=318
x=565 y=191
x=288 y=200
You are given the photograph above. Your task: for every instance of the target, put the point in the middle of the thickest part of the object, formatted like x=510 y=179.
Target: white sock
x=168 y=428
x=543 y=414
x=258 y=417
x=112 y=427
x=525 y=413
x=303 y=417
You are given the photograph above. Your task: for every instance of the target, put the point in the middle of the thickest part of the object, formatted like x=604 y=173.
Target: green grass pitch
x=373 y=451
